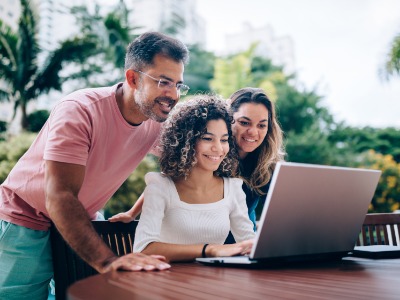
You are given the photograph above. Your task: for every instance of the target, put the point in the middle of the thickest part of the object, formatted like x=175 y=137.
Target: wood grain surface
x=351 y=278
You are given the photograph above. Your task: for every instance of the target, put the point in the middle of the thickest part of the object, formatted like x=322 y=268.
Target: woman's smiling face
x=213 y=146
x=250 y=127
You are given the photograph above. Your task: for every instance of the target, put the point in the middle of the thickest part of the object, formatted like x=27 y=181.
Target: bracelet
x=203 y=252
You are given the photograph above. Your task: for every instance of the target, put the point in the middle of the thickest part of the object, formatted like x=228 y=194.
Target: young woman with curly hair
x=193 y=204
x=259 y=141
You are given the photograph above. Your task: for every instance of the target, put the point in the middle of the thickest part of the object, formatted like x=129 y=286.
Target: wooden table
x=351 y=278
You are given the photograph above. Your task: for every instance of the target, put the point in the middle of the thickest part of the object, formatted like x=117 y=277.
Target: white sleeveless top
x=167 y=219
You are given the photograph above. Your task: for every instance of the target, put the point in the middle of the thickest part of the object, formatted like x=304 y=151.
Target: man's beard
x=147 y=108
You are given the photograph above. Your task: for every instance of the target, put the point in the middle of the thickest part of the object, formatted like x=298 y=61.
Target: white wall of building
x=152 y=14
x=280 y=49
x=9 y=12
x=55 y=24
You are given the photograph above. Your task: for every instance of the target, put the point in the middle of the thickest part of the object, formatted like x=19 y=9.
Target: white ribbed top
x=165 y=218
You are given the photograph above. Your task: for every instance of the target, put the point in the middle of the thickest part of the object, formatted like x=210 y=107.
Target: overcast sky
x=339 y=46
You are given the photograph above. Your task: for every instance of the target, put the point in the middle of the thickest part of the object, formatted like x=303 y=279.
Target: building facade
x=166 y=15
x=55 y=24
x=279 y=49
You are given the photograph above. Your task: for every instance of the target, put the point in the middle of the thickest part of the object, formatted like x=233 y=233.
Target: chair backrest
x=380 y=229
x=69 y=267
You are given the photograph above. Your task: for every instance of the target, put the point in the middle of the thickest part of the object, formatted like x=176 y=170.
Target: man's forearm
x=73 y=222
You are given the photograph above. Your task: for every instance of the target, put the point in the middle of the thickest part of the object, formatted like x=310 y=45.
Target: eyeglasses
x=163 y=84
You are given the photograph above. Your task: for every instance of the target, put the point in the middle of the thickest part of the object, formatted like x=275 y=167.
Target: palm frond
x=391 y=66
x=174 y=26
x=73 y=50
x=119 y=36
x=113 y=23
x=8 y=43
x=4 y=95
x=27 y=45
x=393 y=63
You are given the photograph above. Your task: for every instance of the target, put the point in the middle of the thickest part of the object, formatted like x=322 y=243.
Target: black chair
x=69 y=267
x=380 y=229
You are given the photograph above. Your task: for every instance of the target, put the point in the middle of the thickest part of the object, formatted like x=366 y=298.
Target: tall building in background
x=279 y=49
x=163 y=15
x=55 y=24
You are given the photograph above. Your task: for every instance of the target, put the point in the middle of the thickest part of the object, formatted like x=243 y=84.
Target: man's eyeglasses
x=163 y=84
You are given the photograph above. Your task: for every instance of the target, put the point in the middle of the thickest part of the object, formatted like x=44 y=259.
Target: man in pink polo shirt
x=92 y=141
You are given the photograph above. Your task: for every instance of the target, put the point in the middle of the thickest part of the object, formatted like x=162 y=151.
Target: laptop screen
x=313 y=209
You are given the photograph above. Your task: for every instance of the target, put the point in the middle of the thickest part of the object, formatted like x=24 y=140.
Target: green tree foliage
x=131 y=189
x=3 y=129
x=37 y=119
x=200 y=70
x=112 y=34
x=307 y=125
x=357 y=140
x=306 y=122
x=233 y=73
x=387 y=195
x=268 y=76
x=246 y=69
x=311 y=135
x=119 y=36
x=25 y=80
x=310 y=146
x=301 y=110
x=174 y=26
x=3 y=126
x=12 y=150
x=392 y=62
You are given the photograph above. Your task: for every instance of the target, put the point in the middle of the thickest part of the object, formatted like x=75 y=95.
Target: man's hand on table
x=137 y=262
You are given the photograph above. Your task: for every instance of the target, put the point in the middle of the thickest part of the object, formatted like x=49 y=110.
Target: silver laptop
x=311 y=212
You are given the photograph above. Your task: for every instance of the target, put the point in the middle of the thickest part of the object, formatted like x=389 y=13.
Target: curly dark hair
x=184 y=127
x=141 y=51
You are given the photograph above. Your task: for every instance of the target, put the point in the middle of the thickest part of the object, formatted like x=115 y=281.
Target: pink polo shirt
x=85 y=128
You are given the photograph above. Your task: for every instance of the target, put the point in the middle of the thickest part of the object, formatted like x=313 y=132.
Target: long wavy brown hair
x=257 y=167
x=186 y=124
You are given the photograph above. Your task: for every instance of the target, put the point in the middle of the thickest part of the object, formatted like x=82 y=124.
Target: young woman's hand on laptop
x=241 y=248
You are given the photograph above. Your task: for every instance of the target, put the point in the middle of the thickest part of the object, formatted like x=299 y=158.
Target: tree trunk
x=24 y=117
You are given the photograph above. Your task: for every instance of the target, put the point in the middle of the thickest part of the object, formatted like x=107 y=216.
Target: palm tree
x=113 y=33
x=174 y=26
x=119 y=34
x=23 y=79
x=392 y=64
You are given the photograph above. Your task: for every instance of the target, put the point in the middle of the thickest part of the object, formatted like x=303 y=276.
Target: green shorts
x=25 y=262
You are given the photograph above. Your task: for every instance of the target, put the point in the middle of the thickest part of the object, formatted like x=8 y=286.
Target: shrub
x=37 y=119
x=11 y=151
